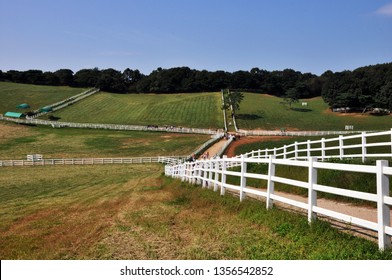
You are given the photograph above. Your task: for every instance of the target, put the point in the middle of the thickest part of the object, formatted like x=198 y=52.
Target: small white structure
x=305 y=104
x=349 y=127
x=35 y=157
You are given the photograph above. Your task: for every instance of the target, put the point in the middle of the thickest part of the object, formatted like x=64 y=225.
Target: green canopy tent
x=14 y=115
x=23 y=106
x=46 y=109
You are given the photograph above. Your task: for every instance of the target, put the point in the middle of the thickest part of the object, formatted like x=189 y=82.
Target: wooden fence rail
x=214 y=172
x=56 y=124
x=89 y=161
x=351 y=146
x=65 y=103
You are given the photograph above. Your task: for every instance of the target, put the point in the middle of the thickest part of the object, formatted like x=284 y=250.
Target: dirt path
x=214 y=149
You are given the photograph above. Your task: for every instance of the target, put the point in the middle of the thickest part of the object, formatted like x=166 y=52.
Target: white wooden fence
x=293 y=133
x=66 y=102
x=214 y=172
x=56 y=124
x=364 y=145
x=90 y=161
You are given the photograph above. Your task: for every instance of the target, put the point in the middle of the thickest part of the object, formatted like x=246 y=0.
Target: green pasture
x=133 y=212
x=261 y=111
x=17 y=141
x=200 y=110
x=13 y=94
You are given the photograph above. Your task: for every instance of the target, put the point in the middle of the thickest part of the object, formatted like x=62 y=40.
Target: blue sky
x=305 y=35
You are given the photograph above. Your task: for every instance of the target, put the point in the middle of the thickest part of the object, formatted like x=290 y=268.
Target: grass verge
x=133 y=212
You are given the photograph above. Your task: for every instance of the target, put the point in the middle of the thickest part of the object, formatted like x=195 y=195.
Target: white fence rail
x=56 y=124
x=364 y=145
x=90 y=161
x=214 y=173
x=293 y=133
x=66 y=102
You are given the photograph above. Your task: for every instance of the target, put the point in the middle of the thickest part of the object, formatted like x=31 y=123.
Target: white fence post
x=284 y=151
x=312 y=194
x=270 y=183
x=322 y=149
x=193 y=172
x=204 y=175
x=308 y=153
x=391 y=140
x=295 y=150
x=223 y=188
x=216 y=178
x=210 y=169
x=383 y=211
x=341 y=151
x=364 y=150
x=243 y=177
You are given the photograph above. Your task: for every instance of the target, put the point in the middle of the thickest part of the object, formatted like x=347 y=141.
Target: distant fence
x=94 y=161
x=66 y=102
x=214 y=172
x=364 y=145
x=56 y=124
x=293 y=133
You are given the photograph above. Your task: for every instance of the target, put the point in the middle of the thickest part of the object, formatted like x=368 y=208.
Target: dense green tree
x=65 y=77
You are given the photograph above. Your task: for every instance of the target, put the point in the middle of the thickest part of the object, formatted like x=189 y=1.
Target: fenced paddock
x=214 y=173
x=65 y=103
x=92 y=161
x=364 y=145
x=56 y=124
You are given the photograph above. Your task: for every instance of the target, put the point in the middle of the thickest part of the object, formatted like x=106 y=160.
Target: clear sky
x=305 y=35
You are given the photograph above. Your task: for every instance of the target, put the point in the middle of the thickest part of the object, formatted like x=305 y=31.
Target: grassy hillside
x=107 y=212
x=16 y=141
x=13 y=94
x=268 y=112
x=190 y=110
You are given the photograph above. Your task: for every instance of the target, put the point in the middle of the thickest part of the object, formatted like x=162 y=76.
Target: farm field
x=133 y=212
x=262 y=111
x=200 y=110
x=16 y=141
x=13 y=94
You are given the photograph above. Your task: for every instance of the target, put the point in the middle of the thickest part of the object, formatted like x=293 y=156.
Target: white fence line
x=214 y=172
x=66 y=102
x=351 y=146
x=56 y=124
x=293 y=133
x=90 y=161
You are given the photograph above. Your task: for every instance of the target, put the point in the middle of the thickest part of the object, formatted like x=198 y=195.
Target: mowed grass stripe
x=191 y=110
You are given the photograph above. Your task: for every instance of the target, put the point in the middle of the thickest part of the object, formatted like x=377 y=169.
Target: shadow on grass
x=249 y=117
x=303 y=110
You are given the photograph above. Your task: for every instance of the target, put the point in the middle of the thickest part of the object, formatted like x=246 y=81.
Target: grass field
x=13 y=94
x=16 y=141
x=268 y=112
x=133 y=212
x=190 y=110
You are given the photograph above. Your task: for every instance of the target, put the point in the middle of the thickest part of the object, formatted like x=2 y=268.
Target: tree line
x=369 y=86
